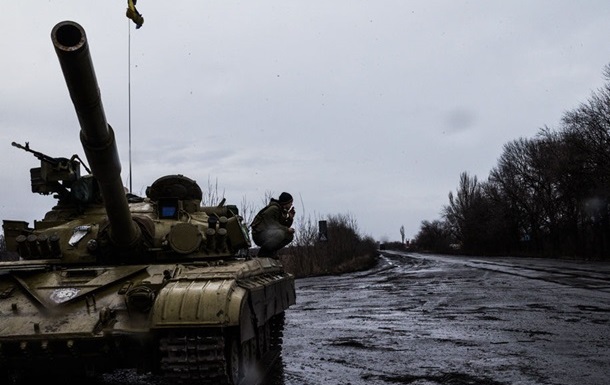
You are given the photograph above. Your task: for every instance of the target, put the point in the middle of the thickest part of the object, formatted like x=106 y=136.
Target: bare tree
x=212 y=197
x=433 y=236
x=247 y=211
x=465 y=212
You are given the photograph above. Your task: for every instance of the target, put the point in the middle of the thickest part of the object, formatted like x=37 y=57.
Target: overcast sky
x=365 y=108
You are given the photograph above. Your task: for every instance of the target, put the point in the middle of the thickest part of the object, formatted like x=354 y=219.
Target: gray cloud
x=362 y=107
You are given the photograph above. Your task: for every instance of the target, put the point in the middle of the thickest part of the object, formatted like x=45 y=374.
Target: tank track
x=207 y=358
x=193 y=358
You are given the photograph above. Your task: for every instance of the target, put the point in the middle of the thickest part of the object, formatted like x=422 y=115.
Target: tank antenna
x=129 y=96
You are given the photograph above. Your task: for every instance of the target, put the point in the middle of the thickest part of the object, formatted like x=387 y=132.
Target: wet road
x=427 y=320
x=430 y=320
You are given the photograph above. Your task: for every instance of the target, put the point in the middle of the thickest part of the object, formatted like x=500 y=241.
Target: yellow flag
x=133 y=13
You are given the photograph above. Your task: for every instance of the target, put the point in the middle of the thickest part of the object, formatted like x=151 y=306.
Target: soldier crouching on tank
x=271 y=226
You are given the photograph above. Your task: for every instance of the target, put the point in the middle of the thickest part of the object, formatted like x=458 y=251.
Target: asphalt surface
x=431 y=319
x=426 y=320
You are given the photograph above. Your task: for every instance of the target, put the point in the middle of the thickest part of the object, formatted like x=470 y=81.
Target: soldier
x=271 y=226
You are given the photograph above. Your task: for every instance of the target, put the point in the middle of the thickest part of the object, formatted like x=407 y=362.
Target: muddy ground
x=418 y=320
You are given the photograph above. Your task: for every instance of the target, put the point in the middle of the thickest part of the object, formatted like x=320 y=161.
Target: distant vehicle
x=111 y=280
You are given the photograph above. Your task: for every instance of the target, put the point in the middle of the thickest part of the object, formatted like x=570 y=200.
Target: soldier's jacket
x=270 y=216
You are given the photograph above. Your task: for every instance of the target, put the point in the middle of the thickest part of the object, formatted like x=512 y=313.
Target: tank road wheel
x=277 y=331
x=260 y=342
x=264 y=338
x=234 y=370
x=250 y=358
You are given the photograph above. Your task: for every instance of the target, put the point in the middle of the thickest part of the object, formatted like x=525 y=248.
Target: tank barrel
x=97 y=137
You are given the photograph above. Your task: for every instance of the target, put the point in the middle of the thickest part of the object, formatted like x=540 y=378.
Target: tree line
x=547 y=196
x=342 y=249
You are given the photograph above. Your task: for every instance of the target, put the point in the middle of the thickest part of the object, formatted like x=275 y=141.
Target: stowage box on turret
x=110 y=280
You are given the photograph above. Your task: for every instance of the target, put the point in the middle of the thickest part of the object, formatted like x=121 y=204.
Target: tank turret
x=96 y=135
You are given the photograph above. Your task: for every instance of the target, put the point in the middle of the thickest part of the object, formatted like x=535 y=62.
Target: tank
x=110 y=280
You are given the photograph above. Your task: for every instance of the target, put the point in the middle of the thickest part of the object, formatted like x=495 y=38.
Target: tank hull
x=101 y=318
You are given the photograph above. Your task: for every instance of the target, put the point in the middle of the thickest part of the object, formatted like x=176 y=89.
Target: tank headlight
x=140 y=299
